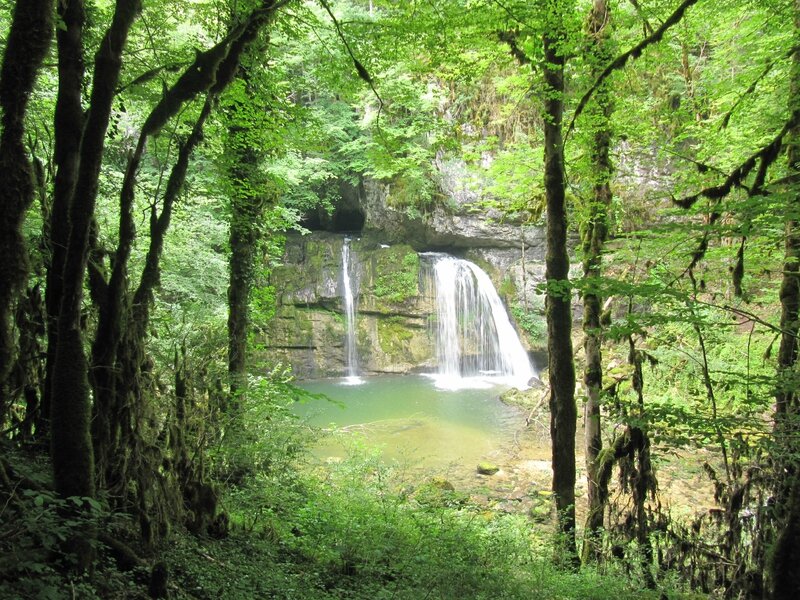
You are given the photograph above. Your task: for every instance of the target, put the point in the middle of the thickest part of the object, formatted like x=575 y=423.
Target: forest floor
x=356 y=528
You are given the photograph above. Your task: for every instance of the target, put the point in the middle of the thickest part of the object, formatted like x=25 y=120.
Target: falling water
x=474 y=336
x=351 y=352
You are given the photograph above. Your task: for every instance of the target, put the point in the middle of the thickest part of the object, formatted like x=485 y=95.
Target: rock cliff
x=395 y=307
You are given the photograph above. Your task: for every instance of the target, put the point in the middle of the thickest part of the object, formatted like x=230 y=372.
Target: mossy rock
x=401 y=342
x=487 y=468
x=396 y=274
x=541 y=512
x=393 y=335
x=437 y=492
x=526 y=399
x=508 y=289
x=440 y=483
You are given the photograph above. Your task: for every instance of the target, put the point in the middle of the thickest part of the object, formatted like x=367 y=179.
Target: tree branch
x=151 y=74
x=362 y=72
x=764 y=157
x=510 y=38
x=752 y=88
x=622 y=59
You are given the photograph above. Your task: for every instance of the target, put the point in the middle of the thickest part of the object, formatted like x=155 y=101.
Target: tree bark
x=27 y=45
x=247 y=211
x=248 y=203
x=71 y=447
x=786 y=396
x=120 y=370
x=786 y=555
x=110 y=432
x=68 y=127
x=595 y=233
x=113 y=305
x=563 y=412
x=118 y=347
x=783 y=567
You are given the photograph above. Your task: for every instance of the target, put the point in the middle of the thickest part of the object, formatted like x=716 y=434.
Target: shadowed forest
x=562 y=236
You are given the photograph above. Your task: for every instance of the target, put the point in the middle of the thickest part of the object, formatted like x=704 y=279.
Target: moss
x=508 y=288
x=393 y=336
x=307 y=272
x=487 y=468
x=292 y=325
x=397 y=271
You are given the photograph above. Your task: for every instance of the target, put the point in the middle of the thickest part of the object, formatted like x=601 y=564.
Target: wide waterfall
x=349 y=283
x=475 y=339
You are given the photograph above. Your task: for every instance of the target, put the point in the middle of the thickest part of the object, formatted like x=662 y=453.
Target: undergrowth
x=350 y=529
x=356 y=529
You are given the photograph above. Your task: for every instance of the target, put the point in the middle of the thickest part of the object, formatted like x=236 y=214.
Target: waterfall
x=475 y=339
x=350 y=349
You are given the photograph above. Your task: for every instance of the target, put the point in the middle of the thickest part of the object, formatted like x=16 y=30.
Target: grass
x=356 y=530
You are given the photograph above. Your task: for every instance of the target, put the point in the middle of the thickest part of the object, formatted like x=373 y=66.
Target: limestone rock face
x=393 y=308
x=458 y=224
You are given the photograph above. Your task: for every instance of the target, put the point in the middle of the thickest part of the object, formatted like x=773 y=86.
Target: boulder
x=487 y=468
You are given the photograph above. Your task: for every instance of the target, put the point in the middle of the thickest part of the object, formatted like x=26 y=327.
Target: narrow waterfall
x=474 y=336
x=349 y=283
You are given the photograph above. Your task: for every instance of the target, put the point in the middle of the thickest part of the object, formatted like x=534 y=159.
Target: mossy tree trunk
x=248 y=202
x=785 y=581
x=786 y=554
x=67 y=131
x=124 y=444
x=72 y=452
x=118 y=347
x=27 y=44
x=594 y=234
x=563 y=411
x=251 y=194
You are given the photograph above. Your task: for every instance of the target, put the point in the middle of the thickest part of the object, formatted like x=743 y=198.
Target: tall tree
x=72 y=453
x=67 y=129
x=28 y=42
x=249 y=198
x=563 y=410
x=784 y=575
x=119 y=362
x=594 y=233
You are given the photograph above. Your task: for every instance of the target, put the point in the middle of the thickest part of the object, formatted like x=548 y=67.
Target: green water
x=412 y=422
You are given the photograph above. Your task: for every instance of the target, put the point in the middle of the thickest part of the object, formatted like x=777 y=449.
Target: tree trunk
x=786 y=555
x=122 y=441
x=594 y=236
x=247 y=211
x=786 y=397
x=68 y=127
x=107 y=373
x=249 y=199
x=563 y=412
x=27 y=44
x=783 y=568
x=73 y=457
